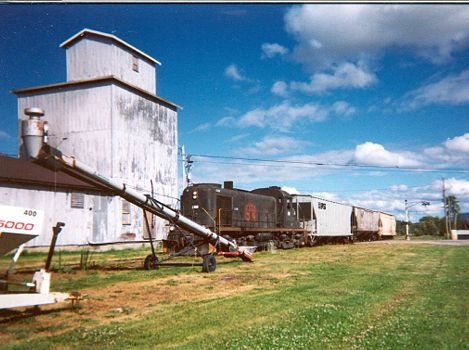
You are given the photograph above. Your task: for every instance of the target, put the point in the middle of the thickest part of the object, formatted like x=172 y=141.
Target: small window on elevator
x=135 y=63
x=125 y=213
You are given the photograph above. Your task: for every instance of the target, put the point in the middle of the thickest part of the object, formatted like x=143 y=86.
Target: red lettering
x=250 y=212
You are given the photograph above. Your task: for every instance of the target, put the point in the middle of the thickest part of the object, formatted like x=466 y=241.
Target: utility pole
x=186 y=168
x=445 y=208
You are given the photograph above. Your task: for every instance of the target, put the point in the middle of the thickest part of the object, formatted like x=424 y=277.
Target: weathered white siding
x=94 y=57
x=56 y=206
x=108 y=116
x=123 y=135
x=144 y=143
x=79 y=122
x=328 y=218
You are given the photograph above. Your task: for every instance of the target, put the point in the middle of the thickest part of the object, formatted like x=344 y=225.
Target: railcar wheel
x=151 y=262
x=209 y=263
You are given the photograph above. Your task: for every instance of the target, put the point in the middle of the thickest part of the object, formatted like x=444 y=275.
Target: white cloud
x=271 y=50
x=291 y=190
x=330 y=34
x=373 y=154
x=280 y=88
x=283 y=116
x=456 y=187
x=451 y=153
x=458 y=143
x=343 y=108
x=233 y=72
x=452 y=89
x=344 y=75
x=273 y=146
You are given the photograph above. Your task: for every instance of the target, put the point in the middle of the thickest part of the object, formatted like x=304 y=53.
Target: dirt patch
x=126 y=300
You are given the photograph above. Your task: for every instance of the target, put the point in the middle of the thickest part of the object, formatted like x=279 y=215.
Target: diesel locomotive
x=251 y=218
x=272 y=216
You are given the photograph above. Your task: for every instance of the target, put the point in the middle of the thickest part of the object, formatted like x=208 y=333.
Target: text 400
x=17 y=225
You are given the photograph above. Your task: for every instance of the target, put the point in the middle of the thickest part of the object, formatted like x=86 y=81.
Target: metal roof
x=107 y=79
x=26 y=174
x=114 y=38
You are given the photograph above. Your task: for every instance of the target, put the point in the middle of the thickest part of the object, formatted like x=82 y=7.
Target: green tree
x=453 y=209
x=429 y=225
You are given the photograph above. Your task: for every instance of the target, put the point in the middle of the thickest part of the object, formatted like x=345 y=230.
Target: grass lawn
x=362 y=296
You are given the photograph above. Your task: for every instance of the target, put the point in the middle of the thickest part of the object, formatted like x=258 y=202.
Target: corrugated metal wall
x=123 y=133
x=104 y=58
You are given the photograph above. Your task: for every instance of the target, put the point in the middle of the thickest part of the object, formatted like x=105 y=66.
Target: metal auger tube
x=51 y=157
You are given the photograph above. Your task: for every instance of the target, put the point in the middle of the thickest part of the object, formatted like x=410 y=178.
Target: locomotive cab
x=286 y=212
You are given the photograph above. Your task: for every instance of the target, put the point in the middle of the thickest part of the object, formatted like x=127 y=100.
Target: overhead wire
x=276 y=162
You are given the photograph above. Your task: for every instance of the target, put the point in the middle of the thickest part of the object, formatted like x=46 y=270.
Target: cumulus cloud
x=330 y=34
x=285 y=116
x=373 y=154
x=280 y=88
x=271 y=50
x=233 y=72
x=344 y=75
x=451 y=153
x=458 y=143
x=453 y=89
x=273 y=145
x=343 y=108
x=455 y=187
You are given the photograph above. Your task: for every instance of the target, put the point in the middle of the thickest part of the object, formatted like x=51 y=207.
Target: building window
x=77 y=200
x=135 y=63
x=125 y=212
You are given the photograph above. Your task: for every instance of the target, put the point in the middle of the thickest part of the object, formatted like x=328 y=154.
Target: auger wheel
x=151 y=262
x=209 y=263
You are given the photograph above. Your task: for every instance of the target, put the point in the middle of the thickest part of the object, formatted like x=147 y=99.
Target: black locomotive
x=251 y=218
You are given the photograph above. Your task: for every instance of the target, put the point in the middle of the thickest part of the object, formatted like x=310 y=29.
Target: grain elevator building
x=108 y=115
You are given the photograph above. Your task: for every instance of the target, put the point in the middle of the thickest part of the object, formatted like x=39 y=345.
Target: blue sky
x=363 y=104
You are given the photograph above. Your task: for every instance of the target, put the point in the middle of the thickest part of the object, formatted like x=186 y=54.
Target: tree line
x=434 y=225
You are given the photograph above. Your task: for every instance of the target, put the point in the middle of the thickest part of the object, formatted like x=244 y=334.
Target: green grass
x=381 y=296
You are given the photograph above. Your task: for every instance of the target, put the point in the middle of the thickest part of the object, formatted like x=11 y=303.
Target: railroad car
x=252 y=218
x=269 y=215
x=365 y=224
x=325 y=220
x=386 y=226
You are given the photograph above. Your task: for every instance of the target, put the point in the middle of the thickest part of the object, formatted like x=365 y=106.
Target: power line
x=320 y=164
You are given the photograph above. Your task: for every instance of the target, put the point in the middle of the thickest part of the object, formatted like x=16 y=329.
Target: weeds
x=330 y=297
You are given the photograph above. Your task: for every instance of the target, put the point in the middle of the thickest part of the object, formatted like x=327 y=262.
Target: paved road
x=462 y=242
